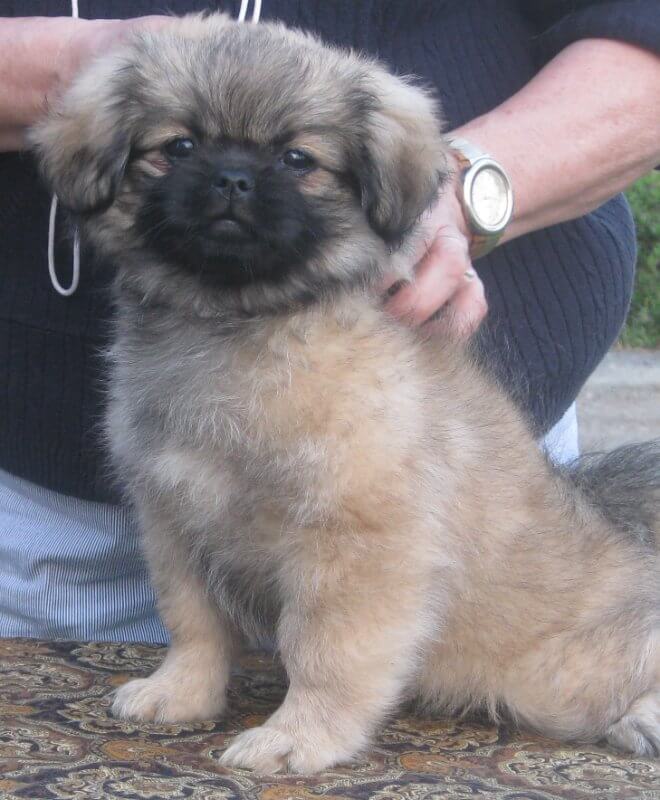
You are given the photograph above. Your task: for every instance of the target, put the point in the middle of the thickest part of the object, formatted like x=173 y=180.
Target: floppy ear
x=83 y=144
x=404 y=158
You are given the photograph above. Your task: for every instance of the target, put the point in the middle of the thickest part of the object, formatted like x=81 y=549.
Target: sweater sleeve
x=562 y=22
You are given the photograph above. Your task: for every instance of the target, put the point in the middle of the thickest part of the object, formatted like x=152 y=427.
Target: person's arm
x=579 y=132
x=38 y=58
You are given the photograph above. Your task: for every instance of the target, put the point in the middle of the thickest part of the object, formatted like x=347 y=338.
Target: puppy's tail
x=625 y=486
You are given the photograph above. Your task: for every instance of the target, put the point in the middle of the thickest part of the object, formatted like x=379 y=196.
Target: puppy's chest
x=270 y=428
x=231 y=431
x=266 y=412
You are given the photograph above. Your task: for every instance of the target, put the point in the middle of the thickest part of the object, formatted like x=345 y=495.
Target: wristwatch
x=486 y=196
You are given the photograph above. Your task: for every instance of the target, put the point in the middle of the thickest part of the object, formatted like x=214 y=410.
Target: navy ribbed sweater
x=557 y=297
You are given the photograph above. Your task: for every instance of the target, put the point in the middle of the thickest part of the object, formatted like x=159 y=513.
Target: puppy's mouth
x=228 y=226
x=227 y=219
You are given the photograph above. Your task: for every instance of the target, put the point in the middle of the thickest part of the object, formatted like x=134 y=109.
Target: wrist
x=485 y=194
x=35 y=61
x=86 y=38
x=454 y=192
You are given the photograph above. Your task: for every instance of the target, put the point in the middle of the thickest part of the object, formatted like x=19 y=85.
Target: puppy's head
x=244 y=161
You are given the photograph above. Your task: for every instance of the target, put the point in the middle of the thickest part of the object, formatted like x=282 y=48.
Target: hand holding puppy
x=40 y=57
x=446 y=292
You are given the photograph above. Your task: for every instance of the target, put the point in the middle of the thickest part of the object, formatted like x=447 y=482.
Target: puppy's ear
x=404 y=158
x=83 y=143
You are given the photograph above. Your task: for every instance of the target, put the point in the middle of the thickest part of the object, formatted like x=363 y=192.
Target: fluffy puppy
x=305 y=467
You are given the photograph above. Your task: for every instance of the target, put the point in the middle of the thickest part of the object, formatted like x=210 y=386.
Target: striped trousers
x=71 y=569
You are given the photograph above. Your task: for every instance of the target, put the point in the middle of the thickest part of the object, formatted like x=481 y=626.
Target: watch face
x=489 y=198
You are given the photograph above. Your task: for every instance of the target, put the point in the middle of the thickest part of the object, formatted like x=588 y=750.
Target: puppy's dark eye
x=297 y=159
x=179 y=148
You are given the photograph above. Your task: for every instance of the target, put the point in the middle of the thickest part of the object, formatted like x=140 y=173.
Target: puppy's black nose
x=234 y=181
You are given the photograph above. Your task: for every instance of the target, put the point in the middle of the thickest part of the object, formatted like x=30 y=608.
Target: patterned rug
x=57 y=740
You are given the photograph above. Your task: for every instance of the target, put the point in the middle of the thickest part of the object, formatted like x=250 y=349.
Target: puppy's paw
x=160 y=699
x=267 y=750
x=638 y=730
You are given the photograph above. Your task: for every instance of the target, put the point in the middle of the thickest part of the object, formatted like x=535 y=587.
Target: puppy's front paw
x=267 y=750
x=160 y=699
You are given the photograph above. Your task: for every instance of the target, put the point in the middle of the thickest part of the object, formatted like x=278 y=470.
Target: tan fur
x=322 y=474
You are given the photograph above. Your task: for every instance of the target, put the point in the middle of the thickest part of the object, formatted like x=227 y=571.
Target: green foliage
x=643 y=325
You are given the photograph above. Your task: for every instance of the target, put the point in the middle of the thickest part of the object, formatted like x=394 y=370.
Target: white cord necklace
x=75 y=271
x=256 y=12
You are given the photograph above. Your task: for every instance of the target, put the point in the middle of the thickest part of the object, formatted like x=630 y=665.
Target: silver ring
x=469 y=274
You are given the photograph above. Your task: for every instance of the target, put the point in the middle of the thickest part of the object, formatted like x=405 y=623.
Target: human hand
x=40 y=56
x=446 y=293
x=84 y=39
